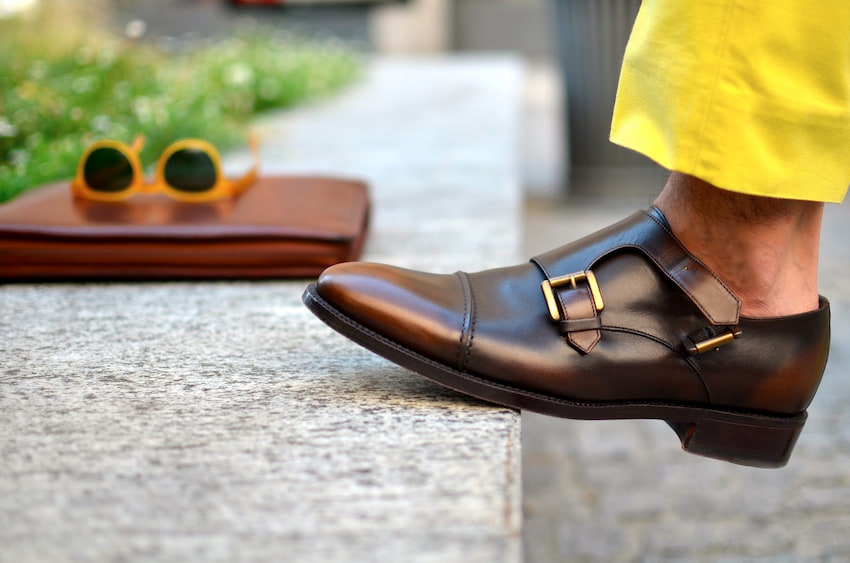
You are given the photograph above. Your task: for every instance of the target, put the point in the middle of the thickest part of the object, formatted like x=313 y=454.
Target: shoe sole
x=745 y=438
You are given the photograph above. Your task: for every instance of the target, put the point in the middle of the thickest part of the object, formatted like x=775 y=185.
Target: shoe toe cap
x=423 y=312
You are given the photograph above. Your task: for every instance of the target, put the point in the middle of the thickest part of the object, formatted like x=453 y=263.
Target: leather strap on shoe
x=580 y=323
x=649 y=233
x=574 y=302
x=706 y=290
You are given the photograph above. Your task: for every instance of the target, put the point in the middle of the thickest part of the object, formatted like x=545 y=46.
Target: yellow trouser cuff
x=754 y=99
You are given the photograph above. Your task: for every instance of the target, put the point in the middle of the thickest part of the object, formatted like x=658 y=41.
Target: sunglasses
x=188 y=170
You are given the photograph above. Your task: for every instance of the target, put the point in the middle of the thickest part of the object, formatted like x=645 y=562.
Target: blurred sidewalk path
x=221 y=421
x=624 y=491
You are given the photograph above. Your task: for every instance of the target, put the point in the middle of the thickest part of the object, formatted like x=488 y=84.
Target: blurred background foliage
x=66 y=80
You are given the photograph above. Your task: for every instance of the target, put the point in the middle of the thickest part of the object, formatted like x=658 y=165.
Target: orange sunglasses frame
x=223 y=187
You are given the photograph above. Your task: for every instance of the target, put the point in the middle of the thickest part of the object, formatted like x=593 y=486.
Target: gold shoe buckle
x=714 y=342
x=571 y=280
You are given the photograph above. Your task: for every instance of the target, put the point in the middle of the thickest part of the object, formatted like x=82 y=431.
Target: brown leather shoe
x=622 y=324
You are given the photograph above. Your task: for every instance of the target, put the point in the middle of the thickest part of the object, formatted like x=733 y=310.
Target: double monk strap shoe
x=622 y=324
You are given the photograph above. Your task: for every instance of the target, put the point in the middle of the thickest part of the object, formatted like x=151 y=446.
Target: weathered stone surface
x=222 y=421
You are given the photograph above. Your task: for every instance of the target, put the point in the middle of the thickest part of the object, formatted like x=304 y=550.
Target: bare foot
x=764 y=249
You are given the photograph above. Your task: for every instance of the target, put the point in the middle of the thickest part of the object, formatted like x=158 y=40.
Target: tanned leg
x=764 y=249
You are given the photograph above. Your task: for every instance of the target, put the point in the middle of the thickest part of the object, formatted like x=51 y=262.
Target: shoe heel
x=758 y=441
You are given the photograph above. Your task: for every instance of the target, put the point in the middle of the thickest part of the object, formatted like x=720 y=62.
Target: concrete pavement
x=221 y=421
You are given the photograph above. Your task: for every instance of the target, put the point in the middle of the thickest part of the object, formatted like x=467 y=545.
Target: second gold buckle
x=572 y=279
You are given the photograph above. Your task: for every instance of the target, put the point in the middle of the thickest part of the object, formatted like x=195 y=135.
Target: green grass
x=56 y=97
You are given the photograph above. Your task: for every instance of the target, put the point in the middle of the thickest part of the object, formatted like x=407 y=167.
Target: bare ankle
x=764 y=249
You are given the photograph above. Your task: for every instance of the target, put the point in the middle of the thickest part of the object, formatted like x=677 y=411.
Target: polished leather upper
x=659 y=302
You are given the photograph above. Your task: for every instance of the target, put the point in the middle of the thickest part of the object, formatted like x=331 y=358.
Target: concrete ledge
x=221 y=421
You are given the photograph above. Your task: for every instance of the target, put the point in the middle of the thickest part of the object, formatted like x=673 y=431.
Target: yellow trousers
x=749 y=95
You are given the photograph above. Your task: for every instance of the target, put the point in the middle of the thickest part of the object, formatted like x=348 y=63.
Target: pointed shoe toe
x=624 y=323
x=418 y=311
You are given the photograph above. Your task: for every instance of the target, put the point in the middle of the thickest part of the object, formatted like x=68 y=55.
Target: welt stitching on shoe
x=459 y=354
x=472 y=325
x=485 y=382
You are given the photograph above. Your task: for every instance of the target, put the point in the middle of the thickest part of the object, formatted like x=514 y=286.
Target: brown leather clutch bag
x=282 y=227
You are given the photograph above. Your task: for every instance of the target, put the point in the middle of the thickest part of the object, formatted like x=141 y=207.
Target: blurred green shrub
x=60 y=92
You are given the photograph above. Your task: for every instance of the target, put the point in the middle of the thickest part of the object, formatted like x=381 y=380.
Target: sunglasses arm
x=241 y=184
x=138 y=143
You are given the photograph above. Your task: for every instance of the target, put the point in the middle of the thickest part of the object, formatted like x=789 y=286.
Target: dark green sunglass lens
x=190 y=170
x=108 y=170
